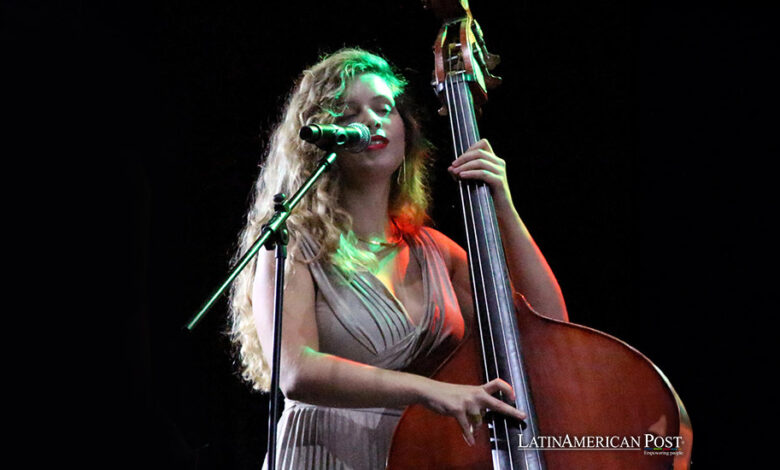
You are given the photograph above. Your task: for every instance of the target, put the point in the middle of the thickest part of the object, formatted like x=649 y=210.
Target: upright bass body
x=584 y=384
x=593 y=402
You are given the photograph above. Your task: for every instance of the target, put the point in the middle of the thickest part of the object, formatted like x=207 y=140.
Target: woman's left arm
x=530 y=273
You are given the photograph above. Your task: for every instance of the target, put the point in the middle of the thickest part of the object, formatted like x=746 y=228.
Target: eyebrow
x=375 y=98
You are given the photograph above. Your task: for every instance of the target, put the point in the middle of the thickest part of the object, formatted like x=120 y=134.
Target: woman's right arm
x=310 y=376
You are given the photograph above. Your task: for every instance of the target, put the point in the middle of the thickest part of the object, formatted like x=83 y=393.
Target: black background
x=637 y=141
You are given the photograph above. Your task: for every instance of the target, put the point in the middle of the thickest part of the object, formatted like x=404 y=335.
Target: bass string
x=465 y=103
x=461 y=144
x=469 y=238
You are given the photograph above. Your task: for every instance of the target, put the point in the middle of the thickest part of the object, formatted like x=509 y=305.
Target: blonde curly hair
x=318 y=97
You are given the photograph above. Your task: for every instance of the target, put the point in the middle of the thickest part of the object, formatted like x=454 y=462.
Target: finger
x=466 y=427
x=482 y=144
x=477 y=154
x=492 y=179
x=499 y=385
x=453 y=175
x=497 y=405
x=467 y=157
x=479 y=164
x=475 y=416
x=475 y=419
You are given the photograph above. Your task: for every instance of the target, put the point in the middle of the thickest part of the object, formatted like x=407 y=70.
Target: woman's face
x=369 y=100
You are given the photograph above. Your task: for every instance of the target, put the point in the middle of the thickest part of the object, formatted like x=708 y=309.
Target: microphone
x=353 y=138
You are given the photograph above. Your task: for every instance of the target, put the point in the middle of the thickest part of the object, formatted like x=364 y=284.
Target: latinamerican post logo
x=650 y=444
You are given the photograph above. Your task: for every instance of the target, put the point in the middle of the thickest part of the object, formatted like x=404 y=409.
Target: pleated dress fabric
x=361 y=320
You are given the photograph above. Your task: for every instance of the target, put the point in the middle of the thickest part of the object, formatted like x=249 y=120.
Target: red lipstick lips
x=377 y=142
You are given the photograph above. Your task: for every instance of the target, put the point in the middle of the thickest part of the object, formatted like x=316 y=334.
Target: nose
x=372 y=119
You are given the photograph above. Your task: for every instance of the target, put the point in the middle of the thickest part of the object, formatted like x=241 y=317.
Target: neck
x=368 y=205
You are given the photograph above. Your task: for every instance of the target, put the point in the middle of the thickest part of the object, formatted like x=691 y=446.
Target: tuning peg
x=491 y=60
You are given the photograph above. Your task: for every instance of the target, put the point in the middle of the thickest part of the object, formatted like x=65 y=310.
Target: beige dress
x=363 y=321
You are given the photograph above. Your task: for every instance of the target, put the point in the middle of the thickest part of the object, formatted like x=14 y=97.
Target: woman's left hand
x=480 y=163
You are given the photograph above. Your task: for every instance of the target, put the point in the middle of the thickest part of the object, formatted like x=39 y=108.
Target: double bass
x=593 y=401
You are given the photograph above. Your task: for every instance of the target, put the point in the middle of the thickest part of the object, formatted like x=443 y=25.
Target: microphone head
x=365 y=137
x=309 y=133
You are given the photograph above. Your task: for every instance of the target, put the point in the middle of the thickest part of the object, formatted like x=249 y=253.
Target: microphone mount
x=354 y=137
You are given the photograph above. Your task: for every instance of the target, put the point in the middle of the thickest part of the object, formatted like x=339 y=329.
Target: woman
x=375 y=302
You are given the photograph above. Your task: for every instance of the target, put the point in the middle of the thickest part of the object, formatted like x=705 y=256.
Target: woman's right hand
x=468 y=403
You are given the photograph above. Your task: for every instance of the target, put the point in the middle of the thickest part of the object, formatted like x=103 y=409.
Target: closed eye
x=384 y=110
x=351 y=115
x=346 y=118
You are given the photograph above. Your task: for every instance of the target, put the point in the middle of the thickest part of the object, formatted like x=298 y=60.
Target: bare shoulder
x=453 y=254
x=457 y=264
x=299 y=329
x=265 y=268
x=298 y=280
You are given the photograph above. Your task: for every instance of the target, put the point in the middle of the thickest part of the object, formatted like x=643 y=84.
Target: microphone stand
x=274 y=237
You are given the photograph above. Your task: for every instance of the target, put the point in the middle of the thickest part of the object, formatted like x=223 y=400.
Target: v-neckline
x=422 y=262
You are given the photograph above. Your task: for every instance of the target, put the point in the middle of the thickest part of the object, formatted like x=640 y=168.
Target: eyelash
x=385 y=111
